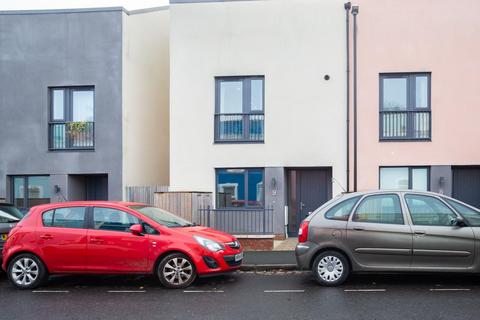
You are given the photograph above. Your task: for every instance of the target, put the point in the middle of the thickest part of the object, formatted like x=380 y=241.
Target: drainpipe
x=347 y=7
x=355 y=173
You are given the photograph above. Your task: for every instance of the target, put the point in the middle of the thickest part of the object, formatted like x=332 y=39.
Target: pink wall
x=437 y=36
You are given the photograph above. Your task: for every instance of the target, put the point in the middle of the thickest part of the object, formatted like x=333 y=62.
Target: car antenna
x=338 y=183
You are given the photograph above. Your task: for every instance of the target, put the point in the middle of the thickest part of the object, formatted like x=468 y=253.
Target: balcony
x=405 y=125
x=239 y=127
x=71 y=135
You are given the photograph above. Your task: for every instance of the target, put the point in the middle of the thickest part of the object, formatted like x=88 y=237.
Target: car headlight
x=209 y=244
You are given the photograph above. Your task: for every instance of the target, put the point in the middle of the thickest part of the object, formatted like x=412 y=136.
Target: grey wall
x=59 y=49
x=441 y=179
x=275 y=196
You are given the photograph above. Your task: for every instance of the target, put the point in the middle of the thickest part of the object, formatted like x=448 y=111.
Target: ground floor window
x=240 y=188
x=29 y=191
x=415 y=178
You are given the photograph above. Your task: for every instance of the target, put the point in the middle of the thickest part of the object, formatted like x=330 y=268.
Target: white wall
x=294 y=44
x=146 y=98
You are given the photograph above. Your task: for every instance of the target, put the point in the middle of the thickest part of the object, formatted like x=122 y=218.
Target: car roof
x=88 y=203
x=369 y=192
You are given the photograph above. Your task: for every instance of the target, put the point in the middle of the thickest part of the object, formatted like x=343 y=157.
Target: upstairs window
x=405 y=110
x=71 y=125
x=239 y=109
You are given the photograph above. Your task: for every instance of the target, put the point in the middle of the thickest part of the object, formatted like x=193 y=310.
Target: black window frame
x=410 y=169
x=453 y=211
x=246 y=171
x=85 y=217
x=356 y=200
x=91 y=219
x=26 y=206
x=363 y=199
x=246 y=109
x=411 y=109
x=68 y=116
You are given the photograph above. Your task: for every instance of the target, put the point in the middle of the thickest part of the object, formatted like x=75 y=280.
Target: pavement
x=247 y=295
x=265 y=260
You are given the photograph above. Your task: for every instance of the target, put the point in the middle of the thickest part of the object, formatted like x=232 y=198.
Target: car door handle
x=46 y=236
x=358 y=228
x=96 y=240
x=419 y=233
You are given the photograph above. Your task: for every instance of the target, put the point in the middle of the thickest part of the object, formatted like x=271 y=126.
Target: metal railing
x=237 y=221
x=239 y=127
x=67 y=136
x=406 y=125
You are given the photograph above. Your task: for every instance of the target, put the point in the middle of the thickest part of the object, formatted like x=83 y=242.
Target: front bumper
x=304 y=253
x=219 y=262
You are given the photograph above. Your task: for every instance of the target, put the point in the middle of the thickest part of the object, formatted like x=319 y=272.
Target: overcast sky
x=62 y=4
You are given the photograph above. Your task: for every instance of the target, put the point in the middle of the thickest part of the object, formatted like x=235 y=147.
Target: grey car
x=9 y=216
x=389 y=231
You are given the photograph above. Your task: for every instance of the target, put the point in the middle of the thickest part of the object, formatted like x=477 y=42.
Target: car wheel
x=330 y=268
x=176 y=271
x=26 y=271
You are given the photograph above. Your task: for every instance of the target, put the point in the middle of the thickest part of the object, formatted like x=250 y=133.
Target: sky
x=62 y=4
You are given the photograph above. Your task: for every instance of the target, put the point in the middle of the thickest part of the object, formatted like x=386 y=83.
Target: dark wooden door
x=466 y=185
x=308 y=190
x=96 y=187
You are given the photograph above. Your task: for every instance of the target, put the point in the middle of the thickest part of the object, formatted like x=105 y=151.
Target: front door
x=378 y=234
x=111 y=247
x=436 y=242
x=308 y=189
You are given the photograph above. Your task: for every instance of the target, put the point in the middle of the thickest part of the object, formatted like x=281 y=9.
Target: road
x=283 y=295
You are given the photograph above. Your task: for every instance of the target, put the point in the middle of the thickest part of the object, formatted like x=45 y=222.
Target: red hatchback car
x=114 y=238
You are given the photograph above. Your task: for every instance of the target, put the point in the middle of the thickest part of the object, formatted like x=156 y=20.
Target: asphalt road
x=286 y=295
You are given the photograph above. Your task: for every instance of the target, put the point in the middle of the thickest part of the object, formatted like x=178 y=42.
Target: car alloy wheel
x=330 y=268
x=176 y=271
x=26 y=271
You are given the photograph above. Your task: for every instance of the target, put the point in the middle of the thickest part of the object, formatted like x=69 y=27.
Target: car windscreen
x=162 y=217
x=9 y=214
x=471 y=214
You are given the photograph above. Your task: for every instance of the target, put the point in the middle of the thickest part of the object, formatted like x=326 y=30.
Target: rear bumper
x=304 y=253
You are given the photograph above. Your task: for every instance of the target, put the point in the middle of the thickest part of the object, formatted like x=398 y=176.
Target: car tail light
x=303 y=232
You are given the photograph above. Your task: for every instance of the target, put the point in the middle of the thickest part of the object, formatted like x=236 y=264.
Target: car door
x=111 y=246
x=377 y=234
x=437 y=244
x=62 y=239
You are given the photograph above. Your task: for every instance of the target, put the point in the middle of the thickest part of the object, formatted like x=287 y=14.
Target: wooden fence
x=183 y=204
x=143 y=194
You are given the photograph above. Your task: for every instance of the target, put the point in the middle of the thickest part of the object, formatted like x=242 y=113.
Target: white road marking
x=203 y=291
x=126 y=291
x=450 y=289
x=50 y=291
x=365 y=290
x=283 y=291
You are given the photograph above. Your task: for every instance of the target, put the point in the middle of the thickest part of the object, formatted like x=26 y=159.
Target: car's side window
x=70 y=217
x=342 y=210
x=471 y=215
x=47 y=218
x=429 y=211
x=383 y=208
x=113 y=219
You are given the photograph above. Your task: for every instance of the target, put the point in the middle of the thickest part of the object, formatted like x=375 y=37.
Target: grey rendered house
x=83 y=103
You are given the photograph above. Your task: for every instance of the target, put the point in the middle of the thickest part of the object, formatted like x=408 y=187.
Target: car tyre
x=176 y=271
x=330 y=268
x=27 y=271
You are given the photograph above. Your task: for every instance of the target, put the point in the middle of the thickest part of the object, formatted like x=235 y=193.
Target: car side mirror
x=459 y=222
x=137 y=229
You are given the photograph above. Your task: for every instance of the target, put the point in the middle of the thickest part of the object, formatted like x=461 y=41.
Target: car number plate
x=239 y=256
x=4 y=236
